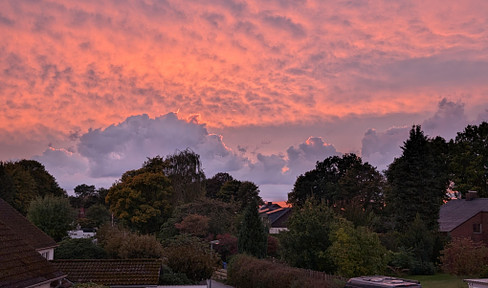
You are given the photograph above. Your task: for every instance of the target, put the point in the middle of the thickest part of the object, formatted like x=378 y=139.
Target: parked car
x=381 y=282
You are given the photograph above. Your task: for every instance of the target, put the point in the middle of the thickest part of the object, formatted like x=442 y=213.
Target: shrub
x=462 y=256
x=79 y=249
x=246 y=271
x=122 y=243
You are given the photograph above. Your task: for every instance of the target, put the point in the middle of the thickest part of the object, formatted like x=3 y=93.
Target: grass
x=440 y=281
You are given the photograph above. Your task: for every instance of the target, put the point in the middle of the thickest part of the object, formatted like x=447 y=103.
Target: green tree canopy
x=213 y=185
x=53 y=215
x=469 y=159
x=141 y=199
x=339 y=180
x=23 y=181
x=253 y=235
x=418 y=180
x=305 y=243
x=121 y=243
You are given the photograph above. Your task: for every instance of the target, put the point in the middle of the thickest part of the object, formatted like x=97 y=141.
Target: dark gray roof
x=458 y=211
x=20 y=264
x=24 y=228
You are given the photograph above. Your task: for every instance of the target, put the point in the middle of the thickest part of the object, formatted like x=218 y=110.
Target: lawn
x=440 y=281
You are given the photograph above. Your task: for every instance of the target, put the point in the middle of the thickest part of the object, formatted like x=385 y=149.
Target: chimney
x=471 y=195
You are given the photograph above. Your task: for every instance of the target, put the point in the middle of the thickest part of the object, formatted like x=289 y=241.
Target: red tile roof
x=27 y=231
x=20 y=264
x=112 y=271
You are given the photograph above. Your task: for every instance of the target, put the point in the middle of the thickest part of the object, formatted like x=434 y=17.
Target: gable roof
x=456 y=212
x=111 y=271
x=21 y=265
x=27 y=231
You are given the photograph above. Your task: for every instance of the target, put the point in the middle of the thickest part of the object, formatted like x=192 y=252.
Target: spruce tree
x=418 y=181
x=252 y=232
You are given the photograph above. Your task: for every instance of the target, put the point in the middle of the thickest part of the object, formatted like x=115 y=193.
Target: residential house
x=467 y=218
x=24 y=250
x=275 y=216
x=115 y=273
x=27 y=231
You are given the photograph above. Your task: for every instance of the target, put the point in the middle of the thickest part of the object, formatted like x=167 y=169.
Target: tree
x=418 y=180
x=356 y=250
x=239 y=193
x=97 y=215
x=187 y=177
x=213 y=185
x=23 y=181
x=194 y=224
x=469 y=159
x=253 y=236
x=305 y=243
x=339 y=180
x=53 y=215
x=79 y=249
x=141 y=199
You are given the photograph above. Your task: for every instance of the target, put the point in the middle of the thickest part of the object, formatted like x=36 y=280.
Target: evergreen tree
x=253 y=236
x=418 y=181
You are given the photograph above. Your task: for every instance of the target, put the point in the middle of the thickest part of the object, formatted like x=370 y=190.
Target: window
x=45 y=255
x=477 y=228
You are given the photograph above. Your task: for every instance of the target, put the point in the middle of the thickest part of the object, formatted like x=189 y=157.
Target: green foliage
x=213 y=185
x=186 y=174
x=22 y=181
x=464 y=257
x=141 y=200
x=306 y=242
x=239 y=193
x=418 y=181
x=122 y=243
x=337 y=181
x=245 y=271
x=252 y=233
x=227 y=246
x=194 y=224
x=469 y=159
x=168 y=277
x=79 y=249
x=356 y=251
x=53 y=215
x=98 y=215
x=190 y=255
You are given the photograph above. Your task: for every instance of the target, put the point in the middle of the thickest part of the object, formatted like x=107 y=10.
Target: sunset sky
x=260 y=89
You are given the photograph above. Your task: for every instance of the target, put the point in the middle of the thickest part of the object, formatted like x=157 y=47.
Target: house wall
x=466 y=229
x=47 y=253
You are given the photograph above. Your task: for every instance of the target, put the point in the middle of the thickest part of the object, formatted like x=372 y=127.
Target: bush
x=462 y=256
x=246 y=271
x=79 y=249
x=122 y=243
x=192 y=256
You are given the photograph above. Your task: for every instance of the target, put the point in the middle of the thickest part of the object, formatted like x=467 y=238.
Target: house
x=27 y=231
x=22 y=265
x=117 y=273
x=467 y=218
x=275 y=216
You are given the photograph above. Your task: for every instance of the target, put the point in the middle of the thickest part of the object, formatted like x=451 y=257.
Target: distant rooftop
x=455 y=212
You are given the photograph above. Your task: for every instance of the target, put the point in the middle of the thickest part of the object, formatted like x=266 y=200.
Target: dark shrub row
x=245 y=271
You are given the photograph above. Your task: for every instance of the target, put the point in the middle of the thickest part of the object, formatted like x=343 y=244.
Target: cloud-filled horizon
x=260 y=89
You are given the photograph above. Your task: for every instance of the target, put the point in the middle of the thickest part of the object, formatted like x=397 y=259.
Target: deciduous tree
x=53 y=215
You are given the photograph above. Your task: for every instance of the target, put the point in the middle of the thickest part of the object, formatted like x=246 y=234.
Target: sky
x=261 y=90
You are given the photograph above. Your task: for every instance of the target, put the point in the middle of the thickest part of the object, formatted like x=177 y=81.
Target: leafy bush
x=462 y=256
x=122 y=243
x=79 y=249
x=192 y=256
x=246 y=271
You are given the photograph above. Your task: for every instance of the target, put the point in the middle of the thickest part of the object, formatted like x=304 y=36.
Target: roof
x=456 y=212
x=111 y=271
x=21 y=265
x=27 y=231
x=381 y=281
x=275 y=215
